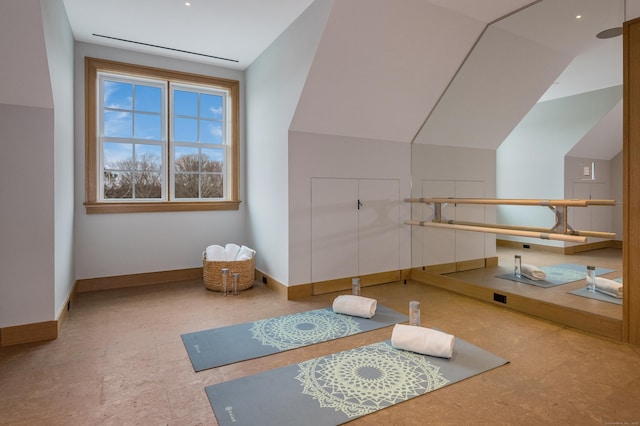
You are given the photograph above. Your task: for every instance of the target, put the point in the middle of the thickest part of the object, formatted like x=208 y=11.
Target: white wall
x=120 y=244
x=274 y=83
x=27 y=237
x=59 y=42
x=26 y=216
x=316 y=155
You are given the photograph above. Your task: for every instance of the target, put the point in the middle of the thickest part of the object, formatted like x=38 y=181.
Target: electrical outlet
x=500 y=298
x=526 y=246
x=264 y=280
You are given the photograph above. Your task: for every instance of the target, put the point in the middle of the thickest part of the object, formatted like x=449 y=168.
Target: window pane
x=211 y=132
x=185 y=130
x=212 y=186
x=148 y=99
x=185 y=103
x=149 y=158
x=148 y=185
x=211 y=106
x=118 y=184
x=212 y=160
x=117 y=95
x=147 y=126
x=186 y=185
x=186 y=159
x=118 y=124
x=118 y=156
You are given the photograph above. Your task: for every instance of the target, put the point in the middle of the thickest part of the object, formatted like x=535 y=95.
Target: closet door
x=593 y=218
x=378 y=225
x=334 y=228
x=601 y=216
x=581 y=215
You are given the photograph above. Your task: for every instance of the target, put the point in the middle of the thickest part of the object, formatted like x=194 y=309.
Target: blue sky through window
x=134 y=111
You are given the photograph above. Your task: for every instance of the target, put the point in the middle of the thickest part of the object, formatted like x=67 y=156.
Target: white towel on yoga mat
x=422 y=340
x=532 y=272
x=245 y=253
x=609 y=287
x=356 y=306
x=214 y=253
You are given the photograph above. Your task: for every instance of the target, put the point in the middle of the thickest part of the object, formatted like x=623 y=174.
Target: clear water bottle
x=225 y=281
x=591 y=278
x=236 y=279
x=355 y=286
x=517 y=267
x=414 y=313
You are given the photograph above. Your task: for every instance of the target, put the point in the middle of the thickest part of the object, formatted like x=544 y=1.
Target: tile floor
x=119 y=360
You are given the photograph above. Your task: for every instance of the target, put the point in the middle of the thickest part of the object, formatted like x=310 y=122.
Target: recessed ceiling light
x=187 y=3
x=578 y=16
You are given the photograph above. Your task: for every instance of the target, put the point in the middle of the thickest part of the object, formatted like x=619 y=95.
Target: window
x=159 y=140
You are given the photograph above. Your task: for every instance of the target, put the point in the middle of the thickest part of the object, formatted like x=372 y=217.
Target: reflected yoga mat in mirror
x=556 y=275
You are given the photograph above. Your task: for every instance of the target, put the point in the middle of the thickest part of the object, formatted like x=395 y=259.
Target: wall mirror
x=538 y=98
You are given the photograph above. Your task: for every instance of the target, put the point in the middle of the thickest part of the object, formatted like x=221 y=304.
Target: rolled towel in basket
x=245 y=253
x=532 y=272
x=231 y=251
x=214 y=253
x=422 y=340
x=609 y=287
x=356 y=306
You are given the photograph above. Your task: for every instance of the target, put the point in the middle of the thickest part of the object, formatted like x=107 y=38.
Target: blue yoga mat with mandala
x=337 y=388
x=226 y=345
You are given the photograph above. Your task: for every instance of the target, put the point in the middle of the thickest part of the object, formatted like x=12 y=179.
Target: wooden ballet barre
x=514 y=202
x=595 y=234
x=502 y=231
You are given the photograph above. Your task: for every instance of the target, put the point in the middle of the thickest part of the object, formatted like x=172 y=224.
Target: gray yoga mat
x=557 y=275
x=596 y=295
x=226 y=345
x=337 y=388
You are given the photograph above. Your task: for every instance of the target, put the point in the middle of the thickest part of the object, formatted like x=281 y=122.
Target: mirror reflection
x=534 y=112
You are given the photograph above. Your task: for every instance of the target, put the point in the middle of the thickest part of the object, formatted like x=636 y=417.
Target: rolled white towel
x=532 y=272
x=245 y=253
x=231 y=251
x=356 y=306
x=214 y=253
x=422 y=340
x=609 y=287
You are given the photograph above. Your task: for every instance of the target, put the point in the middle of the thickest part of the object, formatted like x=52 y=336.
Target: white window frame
x=163 y=142
x=198 y=144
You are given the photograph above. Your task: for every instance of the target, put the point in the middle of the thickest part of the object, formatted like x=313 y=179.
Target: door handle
x=360 y=204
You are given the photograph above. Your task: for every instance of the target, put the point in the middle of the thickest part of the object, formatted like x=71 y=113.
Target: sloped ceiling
x=604 y=140
x=25 y=70
x=381 y=67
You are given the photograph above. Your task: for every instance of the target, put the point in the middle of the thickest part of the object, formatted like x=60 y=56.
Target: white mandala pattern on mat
x=366 y=379
x=563 y=275
x=293 y=331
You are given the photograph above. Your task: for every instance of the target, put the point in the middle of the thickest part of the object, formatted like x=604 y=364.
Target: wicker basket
x=213 y=277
